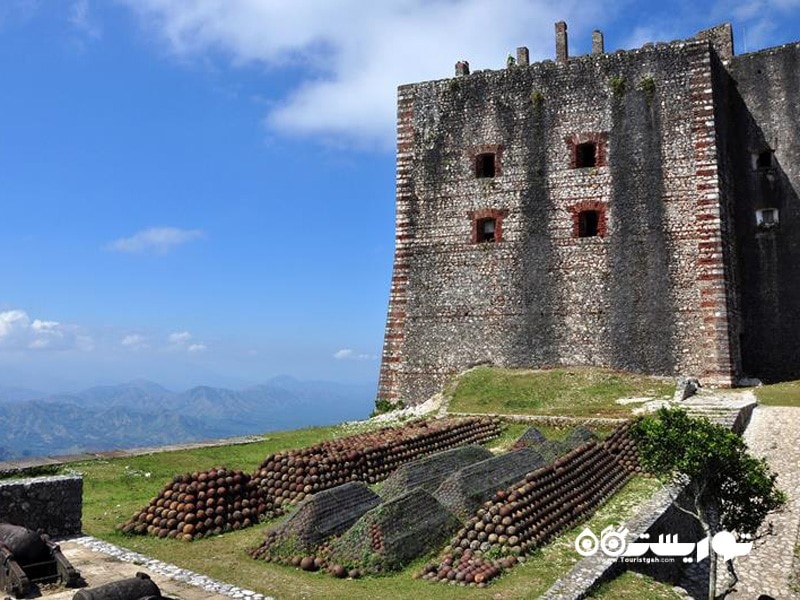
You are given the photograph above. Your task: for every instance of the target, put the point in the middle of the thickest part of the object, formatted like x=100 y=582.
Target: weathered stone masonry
x=615 y=224
x=52 y=504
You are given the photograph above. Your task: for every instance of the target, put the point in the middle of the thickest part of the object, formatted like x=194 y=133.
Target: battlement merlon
x=720 y=36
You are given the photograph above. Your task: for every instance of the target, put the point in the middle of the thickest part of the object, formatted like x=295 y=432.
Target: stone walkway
x=774 y=433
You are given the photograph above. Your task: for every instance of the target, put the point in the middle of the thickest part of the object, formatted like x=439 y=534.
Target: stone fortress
x=635 y=210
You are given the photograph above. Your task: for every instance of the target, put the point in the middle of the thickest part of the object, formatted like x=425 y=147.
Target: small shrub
x=617 y=86
x=384 y=406
x=648 y=86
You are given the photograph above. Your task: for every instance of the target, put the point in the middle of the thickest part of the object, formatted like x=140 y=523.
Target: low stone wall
x=52 y=504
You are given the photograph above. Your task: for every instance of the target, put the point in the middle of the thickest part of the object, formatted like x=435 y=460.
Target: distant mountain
x=37 y=428
x=143 y=413
x=17 y=394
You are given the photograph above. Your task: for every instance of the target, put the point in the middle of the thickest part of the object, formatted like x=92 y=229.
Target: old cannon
x=140 y=587
x=28 y=557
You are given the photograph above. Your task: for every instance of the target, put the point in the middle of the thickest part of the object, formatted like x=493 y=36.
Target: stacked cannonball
x=199 y=504
x=467 y=568
x=623 y=448
x=530 y=513
x=289 y=476
x=212 y=502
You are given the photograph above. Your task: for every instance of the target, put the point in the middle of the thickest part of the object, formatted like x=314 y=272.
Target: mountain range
x=143 y=413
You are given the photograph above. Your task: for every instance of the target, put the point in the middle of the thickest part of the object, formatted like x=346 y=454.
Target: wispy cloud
x=80 y=17
x=350 y=354
x=156 y=240
x=19 y=332
x=180 y=337
x=135 y=341
x=183 y=340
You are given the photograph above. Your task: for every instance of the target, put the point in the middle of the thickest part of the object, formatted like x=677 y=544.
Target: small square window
x=588 y=223
x=485 y=165
x=487 y=230
x=764 y=159
x=767 y=218
x=585 y=155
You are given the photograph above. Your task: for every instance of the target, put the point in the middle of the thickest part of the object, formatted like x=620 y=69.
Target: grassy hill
x=575 y=391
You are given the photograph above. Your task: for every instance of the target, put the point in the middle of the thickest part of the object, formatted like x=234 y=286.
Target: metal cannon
x=140 y=587
x=28 y=557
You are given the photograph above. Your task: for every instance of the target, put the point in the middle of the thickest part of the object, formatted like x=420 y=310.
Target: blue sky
x=203 y=191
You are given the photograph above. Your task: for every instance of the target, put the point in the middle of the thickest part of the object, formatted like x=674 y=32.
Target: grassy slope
x=114 y=489
x=779 y=394
x=577 y=392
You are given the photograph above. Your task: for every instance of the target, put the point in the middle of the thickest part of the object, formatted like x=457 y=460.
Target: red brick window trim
x=487 y=225
x=587 y=150
x=589 y=219
x=486 y=160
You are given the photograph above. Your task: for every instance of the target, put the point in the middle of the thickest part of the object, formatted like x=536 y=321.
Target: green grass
x=114 y=489
x=633 y=586
x=779 y=394
x=574 y=392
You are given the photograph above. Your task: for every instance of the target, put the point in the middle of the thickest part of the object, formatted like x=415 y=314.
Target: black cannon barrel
x=134 y=588
x=26 y=545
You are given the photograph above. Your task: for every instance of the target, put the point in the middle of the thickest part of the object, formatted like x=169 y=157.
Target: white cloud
x=135 y=341
x=351 y=55
x=19 y=332
x=158 y=240
x=182 y=340
x=350 y=354
x=180 y=337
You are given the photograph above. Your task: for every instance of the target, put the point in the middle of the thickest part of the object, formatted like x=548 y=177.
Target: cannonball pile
x=289 y=476
x=623 y=447
x=199 y=504
x=468 y=568
x=529 y=514
x=319 y=560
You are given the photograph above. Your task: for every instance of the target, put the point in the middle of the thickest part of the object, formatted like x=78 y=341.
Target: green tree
x=728 y=488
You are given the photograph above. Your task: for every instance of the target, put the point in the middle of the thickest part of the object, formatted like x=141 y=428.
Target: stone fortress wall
x=52 y=504
x=599 y=210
